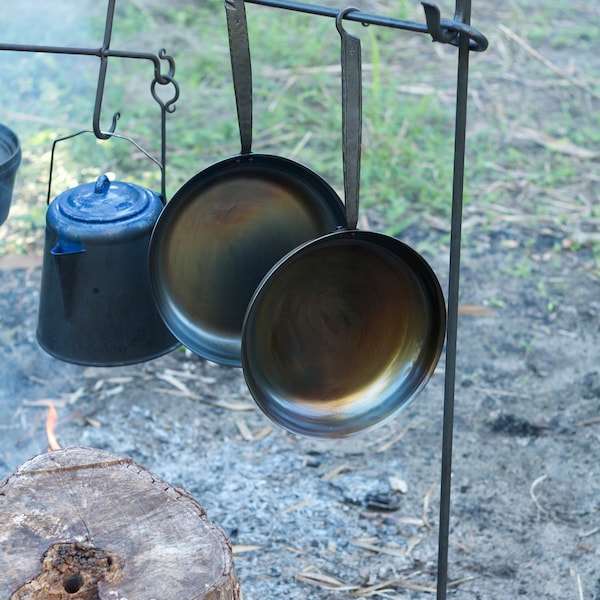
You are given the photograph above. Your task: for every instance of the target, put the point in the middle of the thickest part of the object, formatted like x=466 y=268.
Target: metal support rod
x=464 y=9
x=78 y=51
x=443 y=30
x=457 y=32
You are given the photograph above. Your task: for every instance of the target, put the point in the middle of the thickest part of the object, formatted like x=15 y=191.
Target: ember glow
x=50 y=428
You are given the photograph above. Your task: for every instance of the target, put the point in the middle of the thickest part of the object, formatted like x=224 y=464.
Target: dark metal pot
x=10 y=159
x=226 y=227
x=96 y=305
x=346 y=329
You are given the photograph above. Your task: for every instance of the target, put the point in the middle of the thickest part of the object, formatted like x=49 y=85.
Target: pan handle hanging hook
x=351 y=116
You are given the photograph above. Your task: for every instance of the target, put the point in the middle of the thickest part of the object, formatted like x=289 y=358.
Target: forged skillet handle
x=241 y=68
x=351 y=116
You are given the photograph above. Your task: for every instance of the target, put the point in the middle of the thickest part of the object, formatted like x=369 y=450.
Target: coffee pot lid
x=104 y=201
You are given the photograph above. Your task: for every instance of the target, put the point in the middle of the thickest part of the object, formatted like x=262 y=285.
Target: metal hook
x=434 y=25
x=341 y=15
x=451 y=32
x=165 y=79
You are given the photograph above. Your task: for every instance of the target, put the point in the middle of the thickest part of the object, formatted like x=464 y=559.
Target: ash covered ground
x=357 y=518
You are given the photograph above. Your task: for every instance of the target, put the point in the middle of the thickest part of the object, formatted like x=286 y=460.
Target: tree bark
x=85 y=524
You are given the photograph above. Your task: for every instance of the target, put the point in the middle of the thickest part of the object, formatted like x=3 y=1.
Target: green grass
x=408 y=105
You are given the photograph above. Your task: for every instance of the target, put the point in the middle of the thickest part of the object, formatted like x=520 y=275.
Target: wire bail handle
x=108 y=135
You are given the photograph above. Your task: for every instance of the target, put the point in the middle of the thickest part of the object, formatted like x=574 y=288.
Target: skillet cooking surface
x=219 y=236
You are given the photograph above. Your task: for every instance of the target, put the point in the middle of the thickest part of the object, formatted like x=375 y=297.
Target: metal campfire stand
x=457 y=32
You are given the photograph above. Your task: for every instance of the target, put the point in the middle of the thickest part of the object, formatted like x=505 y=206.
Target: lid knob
x=102 y=185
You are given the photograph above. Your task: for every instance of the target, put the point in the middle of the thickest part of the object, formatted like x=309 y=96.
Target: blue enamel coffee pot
x=96 y=304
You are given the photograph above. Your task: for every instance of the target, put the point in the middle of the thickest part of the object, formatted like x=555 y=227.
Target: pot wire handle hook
x=351 y=116
x=103 y=53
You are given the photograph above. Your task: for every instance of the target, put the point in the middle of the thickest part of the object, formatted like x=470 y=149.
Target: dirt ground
x=328 y=519
x=325 y=520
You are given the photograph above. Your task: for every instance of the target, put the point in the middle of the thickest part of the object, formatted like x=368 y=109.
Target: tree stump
x=85 y=524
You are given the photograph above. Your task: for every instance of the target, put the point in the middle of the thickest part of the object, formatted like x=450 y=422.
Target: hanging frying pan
x=346 y=329
x=227 y=226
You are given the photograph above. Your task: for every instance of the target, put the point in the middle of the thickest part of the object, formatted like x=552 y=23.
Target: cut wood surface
x=85 y=524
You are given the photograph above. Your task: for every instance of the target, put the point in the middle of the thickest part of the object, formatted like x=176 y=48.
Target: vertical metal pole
x=463 y=12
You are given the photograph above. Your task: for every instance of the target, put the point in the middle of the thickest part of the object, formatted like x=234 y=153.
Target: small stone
x=397 y=484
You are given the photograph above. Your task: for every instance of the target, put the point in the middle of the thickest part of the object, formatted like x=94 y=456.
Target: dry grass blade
x=579 y=584
x=532 y=493
x=389 y=550
x=407 y=584
x=45 y=402
x=187 y=375
x=295 y=550
x=426 y=503
x=584 y=534
x=261 y=434
x=244 y=430
x=229 y=405
x=176 y=383
x=385 y=447
x=586 y=422
x=561 y=145
x=242 y=548
x=313 y=577
x=296 y=506
x=475 y=310
x=335 y=473
x=428 y=525
x=187 y=394
x=546 y=62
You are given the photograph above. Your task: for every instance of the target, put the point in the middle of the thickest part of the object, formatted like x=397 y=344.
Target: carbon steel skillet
x=226 y=227
x=345 y=330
